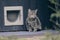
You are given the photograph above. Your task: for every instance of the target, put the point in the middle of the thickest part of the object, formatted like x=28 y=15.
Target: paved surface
x=23 y=33
x=41 y=35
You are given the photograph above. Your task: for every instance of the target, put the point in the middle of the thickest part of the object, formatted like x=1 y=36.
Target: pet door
x=13 y=15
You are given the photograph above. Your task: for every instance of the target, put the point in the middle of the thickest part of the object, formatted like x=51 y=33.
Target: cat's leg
x=35 y=29
x=28 y=25
x=30 y=29
x=33 y=25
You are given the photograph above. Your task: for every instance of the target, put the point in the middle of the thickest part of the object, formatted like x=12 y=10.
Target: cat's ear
x=36 y=11
x=29 y=10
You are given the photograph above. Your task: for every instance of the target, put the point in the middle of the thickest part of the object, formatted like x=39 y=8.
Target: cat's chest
x=32 y=20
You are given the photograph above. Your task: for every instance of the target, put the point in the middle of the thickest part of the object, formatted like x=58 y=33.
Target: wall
x=41 y=5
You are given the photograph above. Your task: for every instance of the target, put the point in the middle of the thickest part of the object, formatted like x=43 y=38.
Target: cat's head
x=32 y=13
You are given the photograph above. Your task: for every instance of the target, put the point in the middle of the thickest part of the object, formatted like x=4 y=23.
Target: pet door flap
x=13 y=15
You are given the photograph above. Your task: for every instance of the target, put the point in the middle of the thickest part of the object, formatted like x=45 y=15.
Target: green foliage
x=56 y=14
x=52 y=1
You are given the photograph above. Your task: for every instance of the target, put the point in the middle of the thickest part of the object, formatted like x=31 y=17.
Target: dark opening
x=12 y=15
